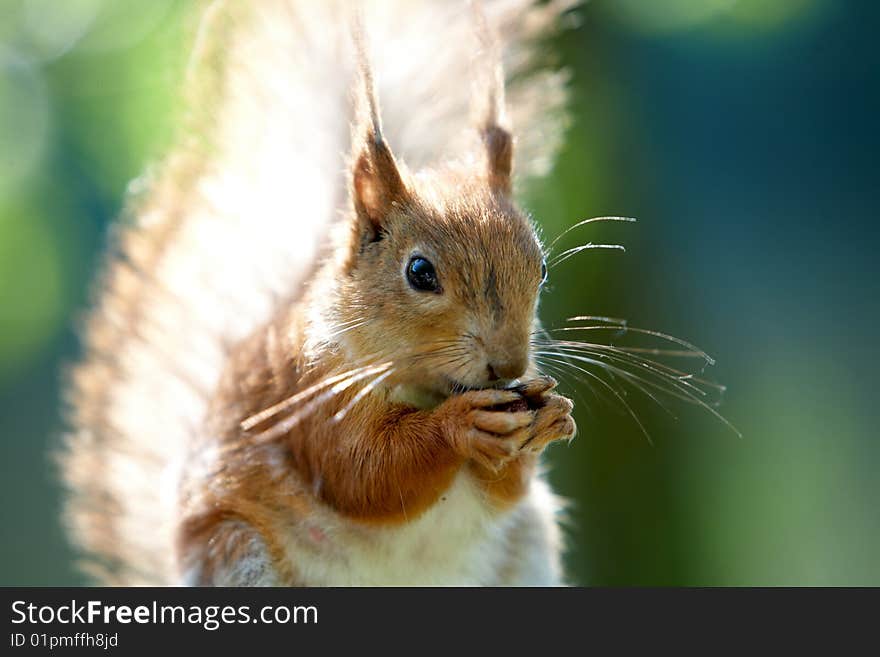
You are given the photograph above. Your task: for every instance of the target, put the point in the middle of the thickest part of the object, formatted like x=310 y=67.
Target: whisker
x=673 y=376
x=616 y=394
x=544 y=341
x=633 y=351
x=666 y=385
x=434 y=353
x=641 y=388
x=617 y=321
x=348 y=322
x=584 y=222
x=363 y=392
x=559 y=372
x=566 y=359
x=686 y=395
x=288 y=423
x=340 y=330
x=626 y=357
x=660 y=352
x=625 y=329
x=345 y=379
x=633 y=381
x=568 y=253
x=449 y=352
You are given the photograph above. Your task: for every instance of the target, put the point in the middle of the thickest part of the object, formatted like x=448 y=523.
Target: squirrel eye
x=543 y=272
x=421 y=275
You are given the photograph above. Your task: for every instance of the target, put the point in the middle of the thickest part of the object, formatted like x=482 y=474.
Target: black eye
x=543 y=272
x=421 y=275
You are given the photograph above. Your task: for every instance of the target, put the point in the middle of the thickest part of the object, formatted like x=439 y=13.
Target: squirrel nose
x=506 y=369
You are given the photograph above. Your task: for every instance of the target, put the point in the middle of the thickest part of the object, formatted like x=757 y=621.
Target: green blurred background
x=743 y=135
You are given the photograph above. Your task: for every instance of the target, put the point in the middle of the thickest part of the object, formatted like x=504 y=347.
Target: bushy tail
x=235 y=219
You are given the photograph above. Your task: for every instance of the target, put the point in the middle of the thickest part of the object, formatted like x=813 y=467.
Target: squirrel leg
x=388 y=466
x=391 y=465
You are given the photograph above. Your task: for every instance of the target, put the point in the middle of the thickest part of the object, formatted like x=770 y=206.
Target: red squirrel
x=312 y=368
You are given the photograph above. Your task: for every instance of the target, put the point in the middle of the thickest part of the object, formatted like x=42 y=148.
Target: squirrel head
x=442 y=272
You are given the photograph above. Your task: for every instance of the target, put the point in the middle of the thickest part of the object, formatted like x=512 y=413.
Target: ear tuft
x=377 y=184
x=499 y=156
x=489 y=106
x=376 y=181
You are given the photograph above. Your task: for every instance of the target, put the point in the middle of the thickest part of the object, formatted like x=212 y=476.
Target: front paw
x=492 y=427
x=553 y=421
x=480 y=425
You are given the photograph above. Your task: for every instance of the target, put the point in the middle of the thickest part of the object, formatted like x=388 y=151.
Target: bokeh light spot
x=744 y=16
x=24 y=120
x=759 y=14
x=55 y=27
x=667 y=16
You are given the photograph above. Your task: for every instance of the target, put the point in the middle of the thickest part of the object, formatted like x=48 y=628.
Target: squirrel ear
x=376 y=181
x=499 y=157
x=489 y=106
x=377 y=184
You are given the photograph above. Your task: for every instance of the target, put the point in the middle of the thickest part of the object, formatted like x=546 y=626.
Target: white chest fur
x=459 y=541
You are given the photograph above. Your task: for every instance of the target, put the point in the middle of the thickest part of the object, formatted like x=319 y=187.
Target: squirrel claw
x=553 y=422
x=492 y=451
x=536 y=387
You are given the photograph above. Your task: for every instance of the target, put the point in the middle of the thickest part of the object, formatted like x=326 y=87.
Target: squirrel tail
x=235 y=220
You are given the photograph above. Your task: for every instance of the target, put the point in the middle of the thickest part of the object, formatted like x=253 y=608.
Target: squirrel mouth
x=457 y=387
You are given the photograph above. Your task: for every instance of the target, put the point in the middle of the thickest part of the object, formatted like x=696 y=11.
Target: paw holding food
x=532 y=395
x=516 y=406
x=493 y=427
